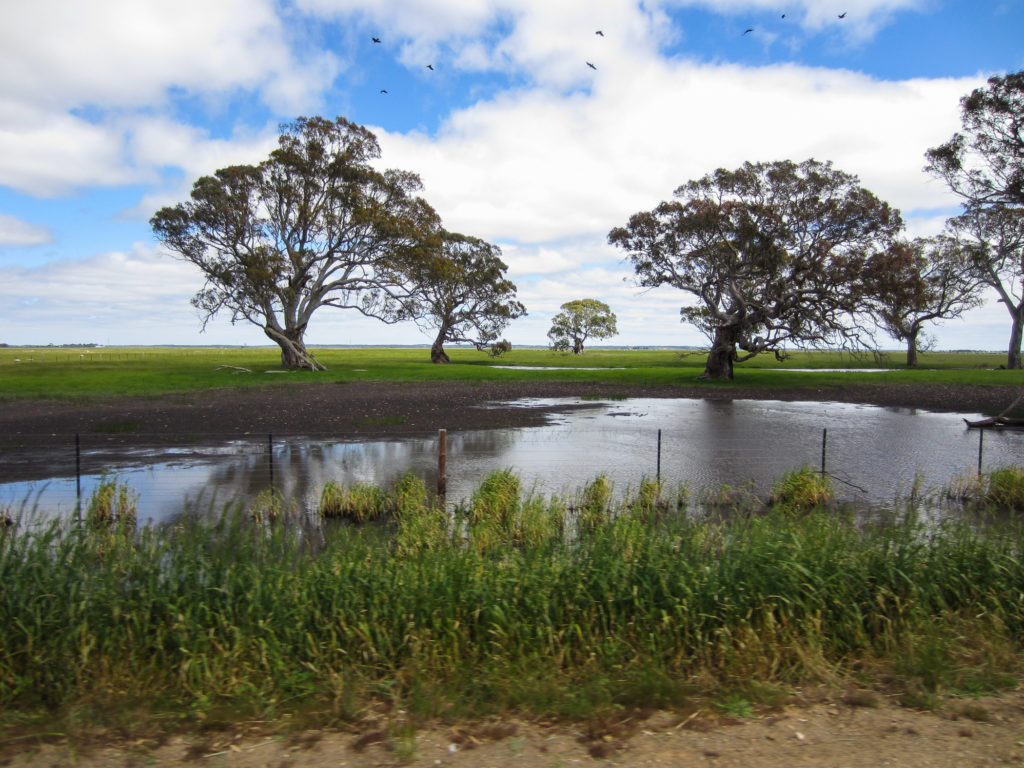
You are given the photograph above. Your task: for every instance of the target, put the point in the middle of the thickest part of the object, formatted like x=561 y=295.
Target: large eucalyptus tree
x=773 y=254
x=313 y=225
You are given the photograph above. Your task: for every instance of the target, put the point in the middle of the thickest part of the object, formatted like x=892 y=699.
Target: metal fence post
x=78 y=477
x=981 y=447
x=270 y=457
x=659 y=458
x=442 y=462
x=824 y=442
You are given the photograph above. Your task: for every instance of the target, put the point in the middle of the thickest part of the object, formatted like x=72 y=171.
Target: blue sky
x=110 y=109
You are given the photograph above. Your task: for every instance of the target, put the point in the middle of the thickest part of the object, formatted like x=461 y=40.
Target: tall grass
x=512 y=602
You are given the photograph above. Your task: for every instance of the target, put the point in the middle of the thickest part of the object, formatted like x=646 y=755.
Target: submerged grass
x=511 y=602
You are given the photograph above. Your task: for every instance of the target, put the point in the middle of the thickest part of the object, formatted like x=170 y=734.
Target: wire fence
x=209 y=471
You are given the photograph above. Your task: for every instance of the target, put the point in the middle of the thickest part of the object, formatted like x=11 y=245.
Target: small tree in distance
x=580 y=320
x=917 y=282
x=461 y=295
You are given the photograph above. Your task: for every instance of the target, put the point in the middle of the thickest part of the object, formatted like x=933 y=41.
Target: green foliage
x=229 y=618
x=1002 y=488
x=112 y=504
x=1006 y=488
x=745 y=245
x=580 y=320
x=359 y=227
x=802 y=490
x=357 y=503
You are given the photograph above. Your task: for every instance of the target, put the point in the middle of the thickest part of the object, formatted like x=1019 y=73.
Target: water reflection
x=875 y=454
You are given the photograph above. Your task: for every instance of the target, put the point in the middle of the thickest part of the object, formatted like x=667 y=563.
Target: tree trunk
x=577 y=346
x=294 y=355
x=912 y=348
x=1013 y=361
x=437 y=353
x=723 y=352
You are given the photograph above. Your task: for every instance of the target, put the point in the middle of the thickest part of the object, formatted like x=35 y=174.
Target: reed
x=507 y=603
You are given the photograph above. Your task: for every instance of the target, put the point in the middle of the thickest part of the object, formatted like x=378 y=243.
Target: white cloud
x=65 y=53
x=15 y=231
x=77 y=77
x=533 y=166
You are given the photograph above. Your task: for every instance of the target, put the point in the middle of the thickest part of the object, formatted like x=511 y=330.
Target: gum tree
x=460 y=294
x=919 y=282
x=984 y=165
x=993 y=238
x=774 y=254
x=314 y=225
x=579 y=320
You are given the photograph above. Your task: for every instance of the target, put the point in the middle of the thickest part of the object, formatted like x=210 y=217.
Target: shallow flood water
x=873 y=453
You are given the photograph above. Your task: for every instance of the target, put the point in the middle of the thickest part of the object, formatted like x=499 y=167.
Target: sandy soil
x=854 y=731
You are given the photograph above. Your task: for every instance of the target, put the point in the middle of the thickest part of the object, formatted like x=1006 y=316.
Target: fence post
x=659 y=458
x=981 y=447
x=270 y=457
x=78 y=477
x=442 y=462
x=824 y=442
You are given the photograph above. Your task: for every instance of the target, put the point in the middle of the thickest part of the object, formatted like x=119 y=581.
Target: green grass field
x=84 y=373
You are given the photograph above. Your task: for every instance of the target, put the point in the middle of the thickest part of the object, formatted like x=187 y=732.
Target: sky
x=111 y=109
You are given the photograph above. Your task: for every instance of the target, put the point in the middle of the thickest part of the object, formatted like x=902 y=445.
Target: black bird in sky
x=751 y=29
x=599 y=32
x=842 y=15
x=591 y=65
x=783 y=15
x=375 y=39
x=383 y=91
x=430 y=67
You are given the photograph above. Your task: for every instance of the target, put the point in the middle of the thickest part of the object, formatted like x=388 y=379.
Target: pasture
x=94 y=372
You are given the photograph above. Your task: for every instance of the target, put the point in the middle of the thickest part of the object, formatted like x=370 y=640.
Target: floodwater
x=874 y=454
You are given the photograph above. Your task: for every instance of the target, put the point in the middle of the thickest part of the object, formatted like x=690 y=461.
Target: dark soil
x=392 y=408
x=30 y=429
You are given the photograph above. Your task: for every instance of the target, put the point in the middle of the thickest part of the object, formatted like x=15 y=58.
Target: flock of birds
x=599 y=33
x=431 y=66
x=748 y=30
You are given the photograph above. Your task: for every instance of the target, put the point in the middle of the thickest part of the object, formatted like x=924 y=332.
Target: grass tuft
x=802 y=490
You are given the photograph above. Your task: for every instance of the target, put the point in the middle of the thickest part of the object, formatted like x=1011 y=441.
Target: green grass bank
x=539 y=606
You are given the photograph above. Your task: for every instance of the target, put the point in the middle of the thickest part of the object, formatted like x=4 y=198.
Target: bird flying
x=751 y=29
x=430 y=67
x=383 y=91
x=842 y=15
x=375 y=39
x=591 y=65
x=599 y=32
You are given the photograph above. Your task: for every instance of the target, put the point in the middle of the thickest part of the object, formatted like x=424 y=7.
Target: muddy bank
x=374 y=409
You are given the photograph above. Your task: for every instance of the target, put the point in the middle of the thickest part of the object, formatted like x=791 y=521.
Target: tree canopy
x=984 y=165
x=461 y=294
x=773 y=254
x=993 y=238
x=313 y=225
x=579 y=320
x=918 y=282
